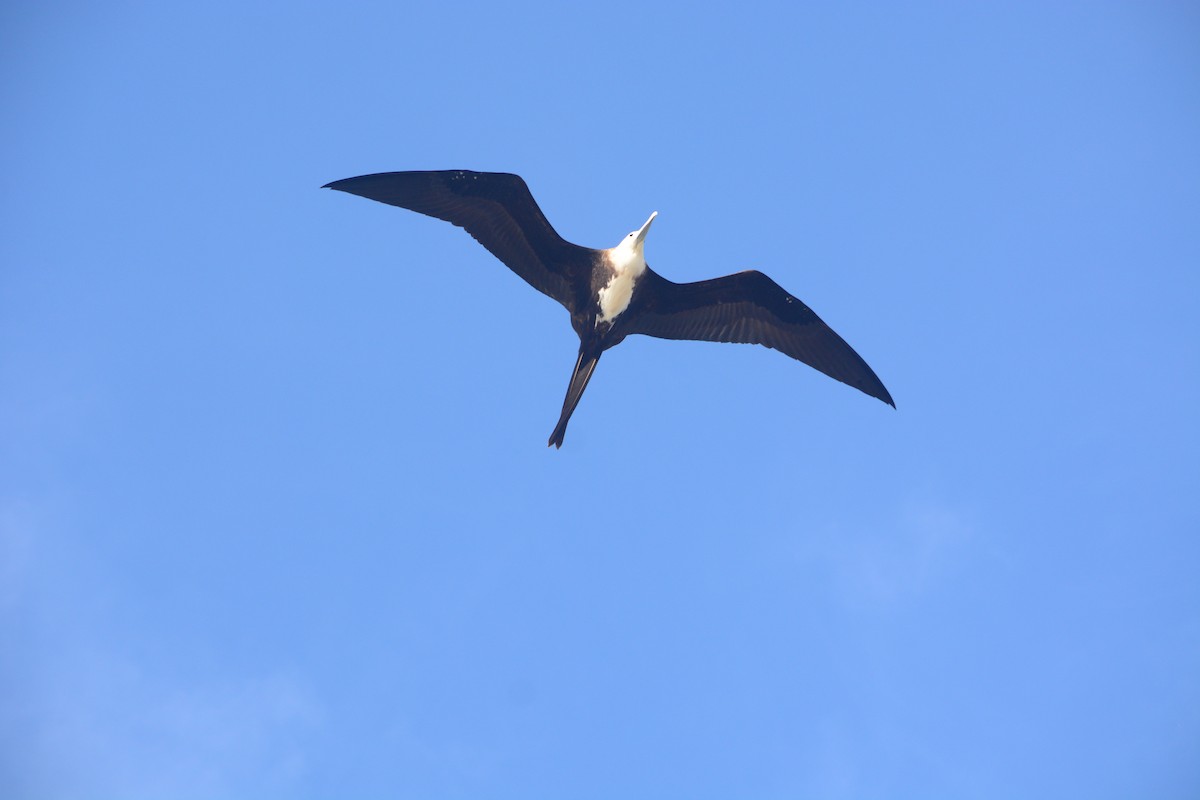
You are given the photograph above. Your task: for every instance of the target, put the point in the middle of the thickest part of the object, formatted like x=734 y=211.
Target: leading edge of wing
x=750 y=308
x=496 y=208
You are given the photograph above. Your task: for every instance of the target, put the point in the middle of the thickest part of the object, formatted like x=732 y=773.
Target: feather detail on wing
x=495 y=208
x=750 y=308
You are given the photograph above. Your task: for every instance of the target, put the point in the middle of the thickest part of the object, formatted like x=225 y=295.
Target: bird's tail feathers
x=584 y=367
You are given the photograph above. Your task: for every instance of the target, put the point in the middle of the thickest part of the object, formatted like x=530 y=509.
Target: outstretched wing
x=494 y=207
x=750 y=308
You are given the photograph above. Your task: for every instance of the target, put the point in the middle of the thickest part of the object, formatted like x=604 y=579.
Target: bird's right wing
x=750 y=308
x=496 y=208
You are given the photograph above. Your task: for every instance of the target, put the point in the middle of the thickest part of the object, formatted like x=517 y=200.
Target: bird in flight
x=612 y=293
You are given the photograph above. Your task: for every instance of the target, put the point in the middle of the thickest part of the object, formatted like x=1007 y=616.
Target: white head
x=630 y=250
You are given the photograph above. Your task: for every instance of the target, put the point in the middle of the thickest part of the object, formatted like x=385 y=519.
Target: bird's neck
x=627 y=261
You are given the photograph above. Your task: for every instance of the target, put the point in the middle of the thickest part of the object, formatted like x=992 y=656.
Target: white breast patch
x=615 y=297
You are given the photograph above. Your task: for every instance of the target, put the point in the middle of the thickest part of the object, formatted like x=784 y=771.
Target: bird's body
x=612 y=293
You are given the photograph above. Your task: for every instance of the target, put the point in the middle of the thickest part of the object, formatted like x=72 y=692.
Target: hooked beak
x=640 y=239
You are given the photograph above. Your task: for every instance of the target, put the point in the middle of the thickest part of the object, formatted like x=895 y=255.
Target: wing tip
x=879 y=392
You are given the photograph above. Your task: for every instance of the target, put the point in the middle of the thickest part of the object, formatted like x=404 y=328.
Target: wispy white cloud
x=113 y=729
x=894 y=558
x=84 y=714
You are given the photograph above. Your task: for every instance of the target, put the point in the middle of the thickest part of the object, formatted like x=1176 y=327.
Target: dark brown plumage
x=748 y=307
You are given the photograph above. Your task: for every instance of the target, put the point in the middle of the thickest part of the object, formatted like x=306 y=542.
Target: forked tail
x=584 y=367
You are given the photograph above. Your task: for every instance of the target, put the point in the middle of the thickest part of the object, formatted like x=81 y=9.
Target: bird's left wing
x=496 y=208
x=751 y=308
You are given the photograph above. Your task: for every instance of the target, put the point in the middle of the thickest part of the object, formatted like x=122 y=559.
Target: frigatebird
x=612 y=293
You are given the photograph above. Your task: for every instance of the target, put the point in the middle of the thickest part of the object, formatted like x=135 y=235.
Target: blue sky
x=277 y=518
